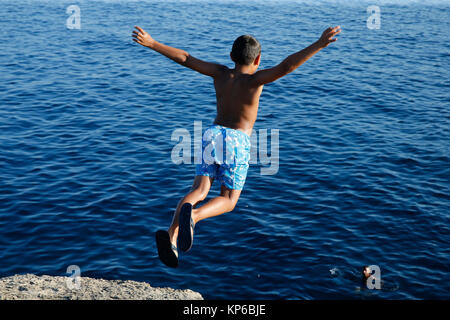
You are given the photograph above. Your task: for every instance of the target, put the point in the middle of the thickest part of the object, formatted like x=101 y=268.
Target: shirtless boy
x=237 y=94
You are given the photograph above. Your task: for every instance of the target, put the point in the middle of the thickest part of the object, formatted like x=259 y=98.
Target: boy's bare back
x=237 y=100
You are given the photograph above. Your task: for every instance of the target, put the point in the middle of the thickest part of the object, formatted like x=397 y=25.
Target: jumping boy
x=237 y=94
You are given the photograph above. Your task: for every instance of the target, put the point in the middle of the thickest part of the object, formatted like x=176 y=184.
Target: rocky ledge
x=32 y=287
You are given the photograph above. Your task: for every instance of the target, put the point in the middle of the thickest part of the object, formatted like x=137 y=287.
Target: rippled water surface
x=86 y=119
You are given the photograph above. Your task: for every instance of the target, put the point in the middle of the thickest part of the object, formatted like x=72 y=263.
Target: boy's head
x=246 y=51
x=366 y=272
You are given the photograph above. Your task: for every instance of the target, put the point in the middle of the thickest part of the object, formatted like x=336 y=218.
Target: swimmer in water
x=366 y=273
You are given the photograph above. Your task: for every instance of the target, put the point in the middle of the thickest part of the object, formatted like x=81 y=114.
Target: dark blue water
x=86 y=119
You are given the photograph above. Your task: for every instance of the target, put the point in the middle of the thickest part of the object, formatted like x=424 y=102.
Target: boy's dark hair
x=245 y=50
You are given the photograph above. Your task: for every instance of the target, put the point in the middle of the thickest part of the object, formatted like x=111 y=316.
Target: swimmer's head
x=246 y=51
x=366 y=272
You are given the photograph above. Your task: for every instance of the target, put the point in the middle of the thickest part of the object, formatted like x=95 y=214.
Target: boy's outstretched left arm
x=295 y=60
x=180 y=56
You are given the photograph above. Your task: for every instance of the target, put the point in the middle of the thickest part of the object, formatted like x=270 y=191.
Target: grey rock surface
x=32 y=287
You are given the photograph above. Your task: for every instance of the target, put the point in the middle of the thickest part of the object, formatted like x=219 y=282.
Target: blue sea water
x=87 y=116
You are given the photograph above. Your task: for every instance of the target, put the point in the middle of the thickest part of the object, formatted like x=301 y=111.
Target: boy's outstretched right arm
x=295 y=60
x=178 y=55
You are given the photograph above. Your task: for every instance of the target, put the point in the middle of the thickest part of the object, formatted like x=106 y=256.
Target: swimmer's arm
x=295 y=60
x=179 y=56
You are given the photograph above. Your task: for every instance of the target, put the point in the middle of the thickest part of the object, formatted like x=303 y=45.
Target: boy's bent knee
x=232 y=203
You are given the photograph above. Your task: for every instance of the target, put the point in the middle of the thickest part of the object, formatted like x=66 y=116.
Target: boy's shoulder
x=223 y=70
x=227 y=73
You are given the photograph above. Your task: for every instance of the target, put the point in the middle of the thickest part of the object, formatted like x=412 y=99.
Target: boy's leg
x=198 y=193
x=219 y=205
x=188 y=216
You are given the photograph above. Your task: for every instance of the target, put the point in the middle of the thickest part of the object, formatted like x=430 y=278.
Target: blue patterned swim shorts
x=225 y=156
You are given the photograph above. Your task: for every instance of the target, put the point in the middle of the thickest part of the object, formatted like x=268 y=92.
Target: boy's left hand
x=328 y=36
x=142 y=37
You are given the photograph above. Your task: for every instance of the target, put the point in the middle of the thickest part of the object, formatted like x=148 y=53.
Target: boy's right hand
x=143 y=38
x=327 y=36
